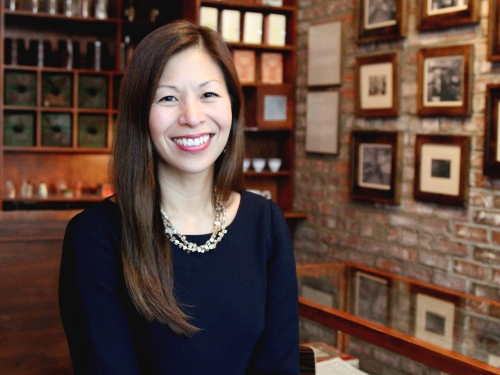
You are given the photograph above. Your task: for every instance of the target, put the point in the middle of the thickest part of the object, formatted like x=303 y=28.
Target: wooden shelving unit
x=265 y=138
x=57 y=117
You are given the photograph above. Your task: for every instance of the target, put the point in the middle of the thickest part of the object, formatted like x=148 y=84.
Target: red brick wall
x=452 y=247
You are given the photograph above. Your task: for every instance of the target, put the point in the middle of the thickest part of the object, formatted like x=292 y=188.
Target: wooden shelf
x=35 y=157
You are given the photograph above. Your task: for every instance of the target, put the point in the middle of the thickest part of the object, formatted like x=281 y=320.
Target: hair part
x=146 y=252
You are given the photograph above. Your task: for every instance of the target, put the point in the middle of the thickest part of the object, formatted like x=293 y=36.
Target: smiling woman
x=232 y=307
x=190 y=118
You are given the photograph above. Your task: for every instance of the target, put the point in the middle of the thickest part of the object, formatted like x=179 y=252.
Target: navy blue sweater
x=242 y=295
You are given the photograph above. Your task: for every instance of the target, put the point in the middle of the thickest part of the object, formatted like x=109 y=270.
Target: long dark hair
x=146 y=253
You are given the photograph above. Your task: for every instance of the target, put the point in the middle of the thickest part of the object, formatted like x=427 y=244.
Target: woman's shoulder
x=103 y=213
x=253 y=203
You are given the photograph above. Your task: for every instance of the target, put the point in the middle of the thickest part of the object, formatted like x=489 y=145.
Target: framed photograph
x=494 y=31
x=377 y=85
x=434 y=320
x=324 y=59
x=374 y=166
x=435 y=14
x=491 y=165
x=371 y=298
x=322 y=132
x=445 y=81
x=441 y=169
x=380 y=20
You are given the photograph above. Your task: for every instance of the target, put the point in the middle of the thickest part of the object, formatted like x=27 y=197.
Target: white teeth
x=189 y=142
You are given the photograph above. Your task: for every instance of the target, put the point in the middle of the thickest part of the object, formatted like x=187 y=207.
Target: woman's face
x=190 y=118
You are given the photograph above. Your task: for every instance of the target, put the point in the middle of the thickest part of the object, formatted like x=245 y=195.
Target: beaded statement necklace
x=217 y=234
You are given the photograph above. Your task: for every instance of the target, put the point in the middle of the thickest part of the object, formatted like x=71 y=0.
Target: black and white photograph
x=441 y=169
x=440 y=14
x=380 y=13
x=444 y=80
x=377 y=85
x=372 y=298
x=380 y=20
x=491 y=163
x=435 y=323
x=376 y=166
x=434 y=320
x=445 y=6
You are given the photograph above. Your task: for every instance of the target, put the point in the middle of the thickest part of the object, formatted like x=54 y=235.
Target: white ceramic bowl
x=274 y=164
x=258 y=164
x=246 y=164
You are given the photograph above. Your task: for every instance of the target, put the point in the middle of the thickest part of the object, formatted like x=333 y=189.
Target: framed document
x=324 y=58
x=323 y=122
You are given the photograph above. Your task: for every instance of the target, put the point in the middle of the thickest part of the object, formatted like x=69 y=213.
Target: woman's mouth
x=192 y=142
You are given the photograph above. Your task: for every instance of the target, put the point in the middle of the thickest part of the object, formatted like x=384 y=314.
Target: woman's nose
x=192 y=113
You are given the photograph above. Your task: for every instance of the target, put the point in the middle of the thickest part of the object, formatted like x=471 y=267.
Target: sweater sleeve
x=91 y=298
x=278 y=350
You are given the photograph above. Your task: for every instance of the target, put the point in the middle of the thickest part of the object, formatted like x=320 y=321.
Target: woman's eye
x=167 y=98
x=209 y=95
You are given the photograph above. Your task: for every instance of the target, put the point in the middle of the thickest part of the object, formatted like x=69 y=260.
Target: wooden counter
x=32 y=338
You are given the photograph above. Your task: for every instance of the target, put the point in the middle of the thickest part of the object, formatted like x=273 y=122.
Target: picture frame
x=324 y=71
x=441 y=169
x=322 y=131
x=375 y=167
x=491 y=164
x=377 y=85
x=445 y=81
x=371 y=298
x=494 y=31
x=434 y=320
x=436 y=14
x=376 y=23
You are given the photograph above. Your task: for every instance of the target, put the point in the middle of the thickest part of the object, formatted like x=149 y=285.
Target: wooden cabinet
x=261 y=36
x=60 y=73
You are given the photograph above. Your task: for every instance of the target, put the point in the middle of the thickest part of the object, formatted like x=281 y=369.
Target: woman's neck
x=188 y=202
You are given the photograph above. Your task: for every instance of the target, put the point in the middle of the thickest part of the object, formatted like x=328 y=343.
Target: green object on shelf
x=56 y=129
x=56 y=90
x=20 y=88
x=92 y=131
x=92 y=91
x=19 y=129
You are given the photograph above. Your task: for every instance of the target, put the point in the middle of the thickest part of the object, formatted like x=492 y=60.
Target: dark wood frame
x=372 y=60
x=356 y=275
x=363 y=193
x=494 y=31
x=390 y=32
x=448 y=19
x=463 y=143
x=491 y=166
x=466 y=51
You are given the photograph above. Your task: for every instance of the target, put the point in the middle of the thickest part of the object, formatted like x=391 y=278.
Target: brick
x=434 y=260
x=471 y=233
x=450 y=281
x=495 y=236
x=487 y=256
x=487 y=218
x=404 y=253
x=470 y=270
